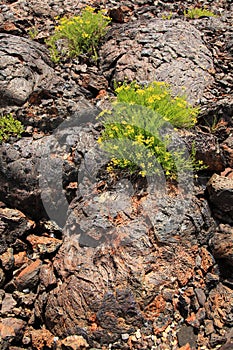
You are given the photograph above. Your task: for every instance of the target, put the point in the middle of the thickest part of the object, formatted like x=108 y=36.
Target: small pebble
x=26 y=290
x=124 y=336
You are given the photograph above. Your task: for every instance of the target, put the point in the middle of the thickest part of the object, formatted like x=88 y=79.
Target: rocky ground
x=89 y=263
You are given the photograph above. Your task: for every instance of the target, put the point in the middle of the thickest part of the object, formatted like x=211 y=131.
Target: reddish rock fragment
x=28 y=277
x=12 y=328
x=47 y=276
x=9 y=27
x=13 y=224
x=209 y=327
x=42 y=338
x=43 y=244
x=207 y=260
x=184 y=269
x=227 y=146
x=20 y=259
x=8 y=304
x=74 y=342
x=195 y=319
x=185 y=347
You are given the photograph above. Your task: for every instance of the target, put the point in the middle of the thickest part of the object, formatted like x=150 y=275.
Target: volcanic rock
x=164 y=50
x=222 y=243
x=25 y=67
x=13 y=224
x=220 y=191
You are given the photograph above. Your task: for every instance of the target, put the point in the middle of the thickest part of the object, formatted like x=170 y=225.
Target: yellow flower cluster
x=81 y=33
x=134 y=126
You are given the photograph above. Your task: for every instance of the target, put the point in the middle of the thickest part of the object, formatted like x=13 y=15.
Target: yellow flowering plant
x=78 y=34
x=139 y=131
x=158 y=96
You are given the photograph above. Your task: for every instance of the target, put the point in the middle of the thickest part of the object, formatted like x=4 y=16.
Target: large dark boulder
x=25 y=67
x=164 y=50
x=45 y=165
x=119 y=253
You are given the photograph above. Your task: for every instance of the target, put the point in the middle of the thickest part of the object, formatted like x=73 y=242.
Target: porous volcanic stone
x=25 y=67
x=164 y=50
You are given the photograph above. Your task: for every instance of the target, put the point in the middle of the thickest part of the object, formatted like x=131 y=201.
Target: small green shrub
x=9 y=127
x=138 y=134
x=33 y=32
x=79 y=34
x=196 y=12
x=167 y=16
x=158 y=96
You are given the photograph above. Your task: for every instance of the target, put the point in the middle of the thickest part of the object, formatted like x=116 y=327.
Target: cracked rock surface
x=25 y=68
x=171 y=51
x=100 y=262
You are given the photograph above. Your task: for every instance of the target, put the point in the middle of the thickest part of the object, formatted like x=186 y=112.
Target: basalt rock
x=207 y=148
x=222 y=243
x=164 y=50
x=33 y=166
x=25 y=67
x=13 y=225
x=220 y=191
x=112 y=263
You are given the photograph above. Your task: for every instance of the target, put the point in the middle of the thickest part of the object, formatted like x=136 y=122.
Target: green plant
x=212 y=123
x=139 y=135
x=167 y=16
x=9 y=127
x=158 y=97
x=78 y=34
x=196 y=12
x=33 y=32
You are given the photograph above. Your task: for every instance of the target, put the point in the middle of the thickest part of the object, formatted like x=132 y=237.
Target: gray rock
x=19 y=175
x=200 y=296
x=220 y=190
x=13 y=224
x=222 y=243
x=187 y=335
x=104 y=237
x=30 y=167
x=25 y=67
x=207 y=148
x=164 y=50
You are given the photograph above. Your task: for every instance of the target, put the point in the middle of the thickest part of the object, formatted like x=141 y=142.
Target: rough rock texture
x=207 y=148
x=19 y=175
x=220 y=190
x=13 y=224
x=171 y=51
x=227 y=146
x=133 y=268
x=222 y=243
x=106 y=232
x=22 y=163
x=25 y=68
